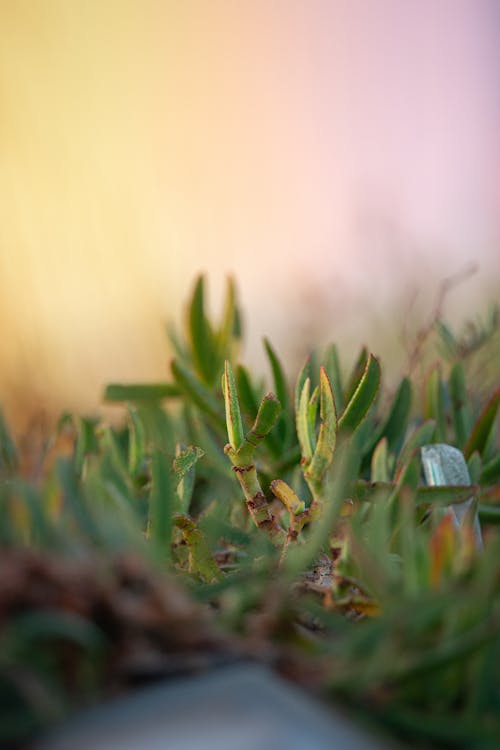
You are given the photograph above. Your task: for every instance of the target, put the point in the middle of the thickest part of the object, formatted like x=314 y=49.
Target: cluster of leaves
x=298 y=518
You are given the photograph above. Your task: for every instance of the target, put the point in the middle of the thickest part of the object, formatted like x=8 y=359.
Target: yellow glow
x=312 y=149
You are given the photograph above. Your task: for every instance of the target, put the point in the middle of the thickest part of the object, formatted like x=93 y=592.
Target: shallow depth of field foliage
x=229 y=517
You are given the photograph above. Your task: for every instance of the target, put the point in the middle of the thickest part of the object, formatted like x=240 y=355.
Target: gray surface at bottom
x=243 y=707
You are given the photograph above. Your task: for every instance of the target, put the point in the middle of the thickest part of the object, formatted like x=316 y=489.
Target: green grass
x=298 y=517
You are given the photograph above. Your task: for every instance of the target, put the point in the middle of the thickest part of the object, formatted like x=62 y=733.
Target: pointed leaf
x=356 y=374
x=249 y=399
x=280 y=387
x=363 y=396
x=201 y=336
x=86 y=441
x=474 y=465
x=161 y=501
x=267 y=416
x=226 y=332
x=332 y=367
x=233 y=415
x=434 y=403
x=303 y=423
x=379 y=464
x=395 y=425
x=483 y=426
x=299 y=386
x=325 y=446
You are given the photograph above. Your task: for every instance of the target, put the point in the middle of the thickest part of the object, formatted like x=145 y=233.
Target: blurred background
x=337 y=157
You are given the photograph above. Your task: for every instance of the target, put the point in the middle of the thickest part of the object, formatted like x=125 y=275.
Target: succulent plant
x=292 y=525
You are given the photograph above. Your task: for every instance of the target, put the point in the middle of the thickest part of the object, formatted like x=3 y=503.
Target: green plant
x=301 y=520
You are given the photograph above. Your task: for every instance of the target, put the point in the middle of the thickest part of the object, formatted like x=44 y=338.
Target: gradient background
x=334 y=156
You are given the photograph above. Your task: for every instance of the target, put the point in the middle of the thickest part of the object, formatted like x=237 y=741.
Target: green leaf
x=434 y=403
x=140 y=391
x=267 y=416
x=161 y=502
x=379 y=463
x=363 y=396
x=299 y=386
x=137 y=443
x=325 y=446
x=312 y=413
x=249 y=399
x=483 y=426
x=332 y=367
x=474 y=465
x=199 y=394
x=201 y=336
x=86 y=442
x=356 y=374
x=233 y=415
x=394 y=427
x=306 y=439
x=489 y=513
x=491 y=471
x=462 y=420
x=280 y=387
x=110 y=449
x=269 y=411
x=228 y=330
